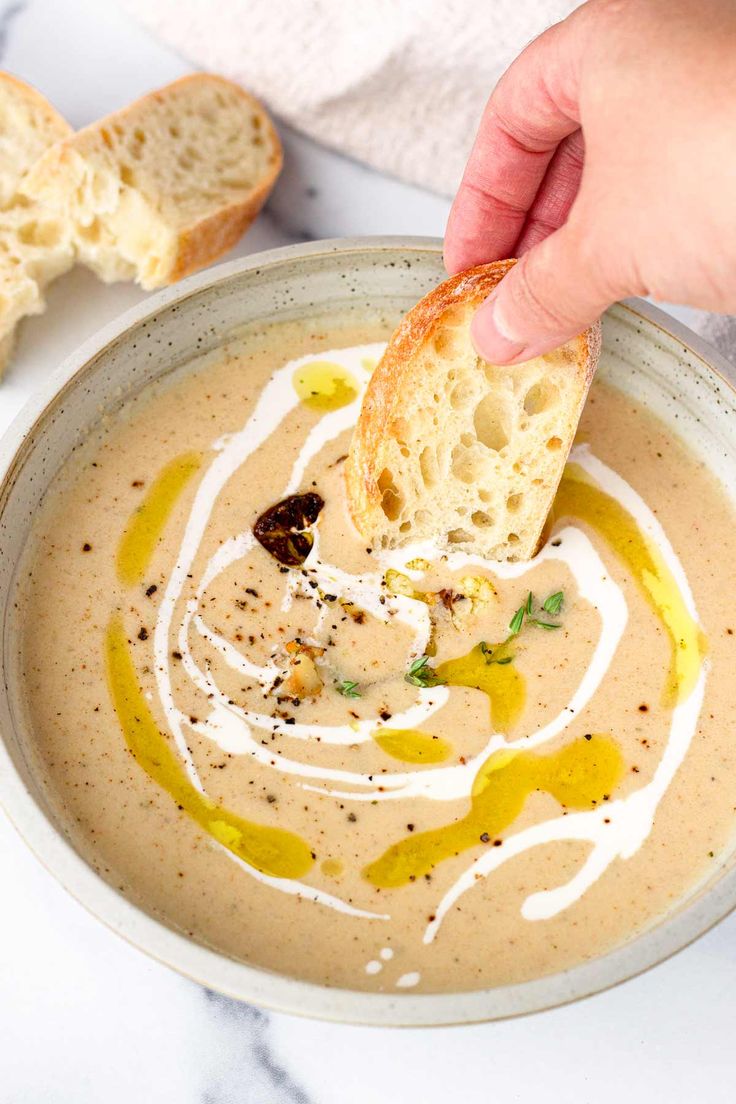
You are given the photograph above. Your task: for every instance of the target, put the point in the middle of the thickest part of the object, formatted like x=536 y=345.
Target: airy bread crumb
x=35 y=245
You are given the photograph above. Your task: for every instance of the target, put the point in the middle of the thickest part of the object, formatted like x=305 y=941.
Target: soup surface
x=389 y=771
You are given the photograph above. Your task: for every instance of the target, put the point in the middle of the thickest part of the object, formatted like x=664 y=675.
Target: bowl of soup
x=402 y=786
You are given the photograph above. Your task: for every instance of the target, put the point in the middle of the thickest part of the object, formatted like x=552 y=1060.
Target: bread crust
x=53 y=120
x=208 y=239
x=392 y=380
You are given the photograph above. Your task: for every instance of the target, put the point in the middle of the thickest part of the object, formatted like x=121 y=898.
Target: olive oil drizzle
x=502 y=682
x=580 y=498
x=579 y=776
x=324 y=386
x=412 y=746
x=273 y=851
x=146 y=525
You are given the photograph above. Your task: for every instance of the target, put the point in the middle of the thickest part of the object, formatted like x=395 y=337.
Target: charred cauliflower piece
x=304 y=679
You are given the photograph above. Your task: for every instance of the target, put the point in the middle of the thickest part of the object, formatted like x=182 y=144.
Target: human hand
x=606 y=161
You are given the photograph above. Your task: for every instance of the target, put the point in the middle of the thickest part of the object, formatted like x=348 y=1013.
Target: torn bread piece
x=165 y=186
x=450 y=447
x=35 y=244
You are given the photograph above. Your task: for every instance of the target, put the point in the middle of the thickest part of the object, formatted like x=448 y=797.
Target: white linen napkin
x=399 y=84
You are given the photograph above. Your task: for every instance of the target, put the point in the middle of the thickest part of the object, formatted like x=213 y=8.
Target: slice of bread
x=165 y=186
x=450 y=447
x=35 y=245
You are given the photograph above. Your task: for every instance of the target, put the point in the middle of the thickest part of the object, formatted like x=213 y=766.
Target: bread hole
x=400 y=429
x=513 y=538
x=458 y=536
x=428 y=466
x=105 y=136
x=464 y=465
x=513 y=502
x=461 y=395
x=91 y=233
x=537 y=482
x=484 y=496
x=46 y=234
x=423 y=517
x=405 y=527
x=140 y=136
x=257 y=140
x=255 y=121
x=174 y=131
x=467 y=439
x=403 y=449
x=541 y=396
x=488 y=424
x=481 y=519
x=117 y=130
x=443 y=343
x=391 y=500
x=237 y=183
x=554 y=444
x=127 y=175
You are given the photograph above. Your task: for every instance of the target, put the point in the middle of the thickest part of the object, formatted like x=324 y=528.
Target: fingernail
x=489 y=339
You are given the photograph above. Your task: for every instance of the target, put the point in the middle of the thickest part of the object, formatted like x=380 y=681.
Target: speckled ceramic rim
x=26 y=808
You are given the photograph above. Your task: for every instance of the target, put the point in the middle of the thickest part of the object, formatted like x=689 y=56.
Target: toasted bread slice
x=165 y=186
x=450 y=447
x=35 y=245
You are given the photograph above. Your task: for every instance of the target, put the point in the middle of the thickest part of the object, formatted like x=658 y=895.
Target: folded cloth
x=399 y=84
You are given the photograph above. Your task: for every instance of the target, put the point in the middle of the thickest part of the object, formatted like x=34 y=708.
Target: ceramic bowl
x=646 y=354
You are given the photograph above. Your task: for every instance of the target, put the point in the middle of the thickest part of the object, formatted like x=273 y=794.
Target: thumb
x=554 y=292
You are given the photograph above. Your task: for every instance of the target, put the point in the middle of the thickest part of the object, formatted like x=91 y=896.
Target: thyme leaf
x=420 y=674
x=517 y=620
x=348 y=689
x=553 y=604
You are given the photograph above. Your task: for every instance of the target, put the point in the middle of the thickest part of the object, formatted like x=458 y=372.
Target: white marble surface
x=85 y=1018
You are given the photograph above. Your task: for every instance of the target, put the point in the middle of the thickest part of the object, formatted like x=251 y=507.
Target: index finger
x=532 y=108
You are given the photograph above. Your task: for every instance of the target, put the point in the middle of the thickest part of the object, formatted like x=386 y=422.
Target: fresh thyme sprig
x=551 y=605
x=421 y=674
x=348 y=689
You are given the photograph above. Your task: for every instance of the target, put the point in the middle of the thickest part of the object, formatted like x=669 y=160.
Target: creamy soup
x=406 y=770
